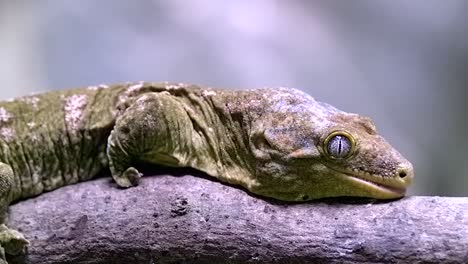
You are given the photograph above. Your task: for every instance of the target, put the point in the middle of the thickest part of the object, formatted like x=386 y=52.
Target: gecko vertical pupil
x=339 y=147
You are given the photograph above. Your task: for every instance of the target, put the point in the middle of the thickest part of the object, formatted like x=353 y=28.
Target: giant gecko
x=279 y=143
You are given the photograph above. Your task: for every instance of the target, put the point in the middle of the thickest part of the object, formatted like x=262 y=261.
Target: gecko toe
x=129 y=178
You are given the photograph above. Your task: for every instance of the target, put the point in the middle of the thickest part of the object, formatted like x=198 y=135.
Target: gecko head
x=305 y=156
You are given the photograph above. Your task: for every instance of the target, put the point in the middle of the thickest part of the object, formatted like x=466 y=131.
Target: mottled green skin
x=270 y=141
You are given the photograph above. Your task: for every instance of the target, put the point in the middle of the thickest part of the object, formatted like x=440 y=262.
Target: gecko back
x=56 y=138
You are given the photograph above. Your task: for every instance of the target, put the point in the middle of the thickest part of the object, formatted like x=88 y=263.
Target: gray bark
x=186 y=219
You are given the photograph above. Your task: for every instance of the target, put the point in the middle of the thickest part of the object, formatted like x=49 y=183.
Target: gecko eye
x=339 y=145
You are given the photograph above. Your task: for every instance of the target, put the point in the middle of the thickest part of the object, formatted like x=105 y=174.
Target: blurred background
x=403 y=63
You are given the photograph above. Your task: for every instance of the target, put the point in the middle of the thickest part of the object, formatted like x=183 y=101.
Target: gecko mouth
x=400 y=191
x=396 y=191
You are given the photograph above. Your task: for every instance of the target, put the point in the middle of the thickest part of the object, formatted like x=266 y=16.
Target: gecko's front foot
x=12 y=242
x=130 y=177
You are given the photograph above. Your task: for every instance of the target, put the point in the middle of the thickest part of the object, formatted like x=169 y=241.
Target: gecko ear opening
x=279 y=139
x=260 y=145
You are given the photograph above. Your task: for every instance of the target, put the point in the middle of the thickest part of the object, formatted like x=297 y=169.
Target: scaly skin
x=278 y=143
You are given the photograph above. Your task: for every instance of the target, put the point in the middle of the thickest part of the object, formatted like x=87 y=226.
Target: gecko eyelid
x=339 y=145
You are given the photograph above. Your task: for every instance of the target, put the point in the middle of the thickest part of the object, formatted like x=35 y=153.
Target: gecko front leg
x=154 y=129
x=11 y=241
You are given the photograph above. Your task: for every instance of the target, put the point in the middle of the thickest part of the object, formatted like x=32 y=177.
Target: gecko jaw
x=361 y=179
x=394 y=191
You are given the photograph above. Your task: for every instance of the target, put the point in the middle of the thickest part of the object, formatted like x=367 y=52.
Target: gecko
x=274 y=142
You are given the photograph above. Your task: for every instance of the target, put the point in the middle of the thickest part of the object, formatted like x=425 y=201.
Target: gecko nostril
x=405 y=172
x=402 y=173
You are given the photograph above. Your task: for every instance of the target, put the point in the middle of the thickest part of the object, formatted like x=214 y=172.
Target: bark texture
x=187 y=219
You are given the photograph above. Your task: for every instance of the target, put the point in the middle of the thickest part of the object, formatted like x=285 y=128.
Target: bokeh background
x=403 y=63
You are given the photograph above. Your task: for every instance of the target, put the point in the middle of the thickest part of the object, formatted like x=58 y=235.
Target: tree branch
x=190 y=219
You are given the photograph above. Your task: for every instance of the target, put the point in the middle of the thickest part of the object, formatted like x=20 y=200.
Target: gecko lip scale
x=399 y=191
x=386 y=188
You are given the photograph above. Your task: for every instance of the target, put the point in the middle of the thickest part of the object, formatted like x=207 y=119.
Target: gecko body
x=278 y=143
